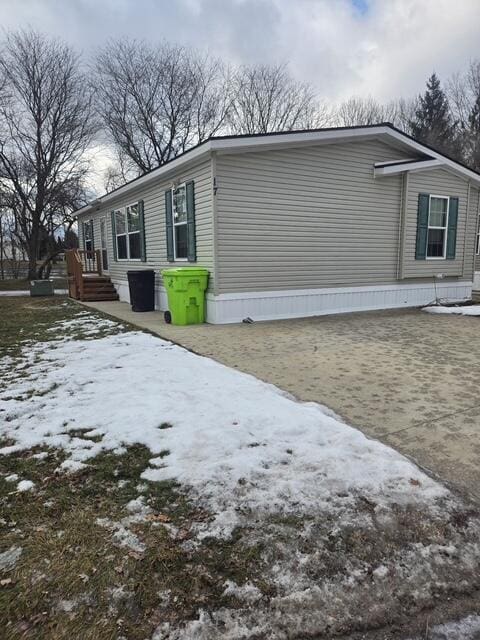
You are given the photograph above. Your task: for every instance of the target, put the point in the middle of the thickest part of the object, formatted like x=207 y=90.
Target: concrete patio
x=408 y=378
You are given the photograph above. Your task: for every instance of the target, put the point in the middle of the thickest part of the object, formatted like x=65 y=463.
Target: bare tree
x=46 y=126
x=401 y=113
x=266 y=98
x=357 y=111
x=463 y=90
x=156 y=101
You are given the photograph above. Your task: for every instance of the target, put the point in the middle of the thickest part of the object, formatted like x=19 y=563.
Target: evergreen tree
x=432 y=123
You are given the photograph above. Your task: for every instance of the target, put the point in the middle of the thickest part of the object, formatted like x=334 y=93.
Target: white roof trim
x=384 y=169
x=147 y=178
x=230 y=145
x=458 y=168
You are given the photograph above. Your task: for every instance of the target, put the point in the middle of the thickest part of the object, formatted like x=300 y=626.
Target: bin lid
x=135 y=271
x=185 y=271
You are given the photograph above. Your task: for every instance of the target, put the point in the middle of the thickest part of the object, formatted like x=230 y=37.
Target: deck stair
x=98 y=288
x=86 y=281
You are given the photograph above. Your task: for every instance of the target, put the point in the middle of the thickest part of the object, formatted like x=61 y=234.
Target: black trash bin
x=141 y=284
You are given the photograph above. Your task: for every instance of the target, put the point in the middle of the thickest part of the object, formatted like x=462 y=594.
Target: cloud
x=383 y=48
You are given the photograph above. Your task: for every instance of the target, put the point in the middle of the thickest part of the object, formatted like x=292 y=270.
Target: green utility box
x=186 y=294
x=41 y=288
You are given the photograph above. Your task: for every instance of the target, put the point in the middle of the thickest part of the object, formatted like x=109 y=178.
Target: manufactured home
x=296 y=224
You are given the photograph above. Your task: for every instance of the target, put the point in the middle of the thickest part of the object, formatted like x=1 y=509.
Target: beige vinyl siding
x=470 y=240
x=442 y=183
x=307 y=217
x=153 y=197
x=475 y=212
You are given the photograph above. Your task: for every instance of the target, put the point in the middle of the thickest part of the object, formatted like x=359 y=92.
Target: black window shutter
x=169 y=224
x=114 y=235
x=422 y=226
x=143 y=244
x=452 y=228
x=191 y=238
x=91 y=235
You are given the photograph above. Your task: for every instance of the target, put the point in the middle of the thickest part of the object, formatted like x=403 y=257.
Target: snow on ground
x=469 y=310
x=25 y=485
x=343 y=532
x=26 y=293
x=466 y=629
x=8 y=558
x=239 y=443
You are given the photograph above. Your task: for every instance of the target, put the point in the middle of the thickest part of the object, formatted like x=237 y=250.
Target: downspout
x=402 y=225
x=213 y=166
x=465 y=236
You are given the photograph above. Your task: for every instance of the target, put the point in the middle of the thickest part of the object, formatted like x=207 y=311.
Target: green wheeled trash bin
x=186 y=294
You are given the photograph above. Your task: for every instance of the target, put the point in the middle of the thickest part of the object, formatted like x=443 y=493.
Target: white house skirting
x=299 y=303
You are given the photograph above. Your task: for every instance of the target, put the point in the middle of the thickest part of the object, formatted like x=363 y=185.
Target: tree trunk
x=32 y=269
x=33 y=250
x=2 y=264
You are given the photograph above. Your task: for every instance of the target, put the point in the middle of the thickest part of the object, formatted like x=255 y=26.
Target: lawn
x=149 y=493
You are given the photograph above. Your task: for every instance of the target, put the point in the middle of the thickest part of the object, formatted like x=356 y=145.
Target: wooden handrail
x=80 y=262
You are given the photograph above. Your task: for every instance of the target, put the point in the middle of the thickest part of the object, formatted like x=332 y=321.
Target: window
x=127 y=233
x=88 y=235
x=180 y=223
x=180 y=230
x=437 y=227
x=103 y=242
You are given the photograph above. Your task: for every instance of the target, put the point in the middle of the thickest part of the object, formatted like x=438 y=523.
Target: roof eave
x=193 y=155
x=384 y=169
x=244 y=143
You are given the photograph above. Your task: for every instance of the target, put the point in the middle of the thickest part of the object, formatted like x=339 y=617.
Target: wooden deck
x=86 y=281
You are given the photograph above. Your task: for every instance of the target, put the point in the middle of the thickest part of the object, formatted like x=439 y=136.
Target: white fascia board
x=338 y=135
x=421 y=165
x=231 y=145
x=295 y=137
x=188 y=157
x=451 y=164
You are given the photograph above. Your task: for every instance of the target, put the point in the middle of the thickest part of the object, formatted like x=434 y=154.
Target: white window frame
x=126 y=234
x=88 y=225
x=445 y=228
x=179 y=224
x=477 y=246
x=104 y=222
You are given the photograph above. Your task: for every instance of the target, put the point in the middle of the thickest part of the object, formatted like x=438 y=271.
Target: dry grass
x=74 y=581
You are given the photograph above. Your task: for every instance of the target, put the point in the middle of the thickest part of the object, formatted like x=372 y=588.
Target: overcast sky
x=383 y=48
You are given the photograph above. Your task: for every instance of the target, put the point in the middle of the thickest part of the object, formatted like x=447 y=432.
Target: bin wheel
x=167 y=317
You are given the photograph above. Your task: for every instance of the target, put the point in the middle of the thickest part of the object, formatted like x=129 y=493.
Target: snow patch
x=466 y=629
x=122 y=536
x=40 y=456
x=469 y=310
x=138 y=506
x=240 y=444
x=25 y=485
x=247 y=592
x=70 y=466
x=9 y=558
